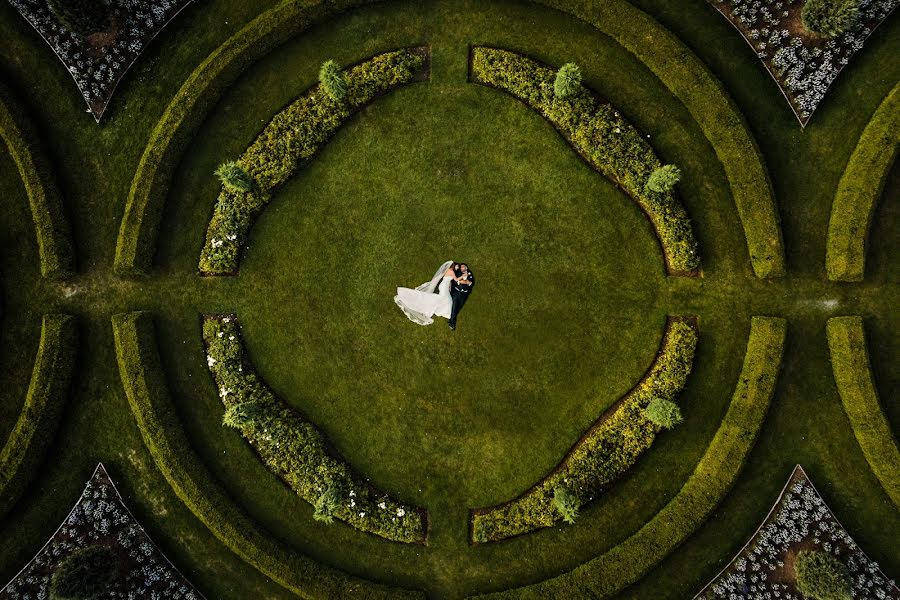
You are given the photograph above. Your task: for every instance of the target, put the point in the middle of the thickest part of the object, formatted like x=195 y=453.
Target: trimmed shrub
x=568 y=81
x=715 y=474
x=853 y=376
x=566 y=504
x=859 y=190
x=829 y=18
x=164 y=436
x=291 y=139
x=722 y=123
x=294 y=449
x=85 y=574
x=37 y=423
x=663 y=413
x=82 y=17
x=664 y=179
x=233 y=177
x=821 y=576
x=603 y=137
x=136 y=243
x=333 y=80
x=326 y=505
x=615 y=441
x=50 y=223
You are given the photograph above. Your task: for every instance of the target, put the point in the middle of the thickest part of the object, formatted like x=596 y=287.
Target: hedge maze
x=683 y=295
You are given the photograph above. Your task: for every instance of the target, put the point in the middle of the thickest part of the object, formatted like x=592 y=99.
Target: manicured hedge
x=289 y=141
x=850 y=362
x=713 y=110
x=295 y=449
x=860 y=188
x=622 y=565
x=138 y=231
x=603 y=137
x=144 y=384
x=37 y=424
x=50 y=223
x=609 y=448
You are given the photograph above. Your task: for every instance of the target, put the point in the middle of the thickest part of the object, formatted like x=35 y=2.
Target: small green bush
x=821 y=576
x=233 y=177
x=326 y=504
x=568 y=80
x=566 y=504
x=333 y=80
x=82 y=17
x=829 y=18
x=85 y=574
x=663 y=413
x=245 y=414
x=663 y=179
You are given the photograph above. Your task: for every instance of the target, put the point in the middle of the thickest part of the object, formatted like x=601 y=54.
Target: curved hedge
x=41 y=413
x=54 y=238
x=722 y=123
x=850 y=362
x=602 y=137
x=295 y=449
x=144 y=384
x=715 y=474
x=289 y=141
x=860 y=188
x=136 y=244
x=616 y=440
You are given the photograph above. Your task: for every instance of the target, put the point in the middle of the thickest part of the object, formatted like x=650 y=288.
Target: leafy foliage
x=83 y=17
x=566 y=504
x=290 y=139
x=603 y=136
x=663 y=413
x=233 y=177
x=568 y=80
x=821 y=576
x=333 y=80
x=85 y=574
x=295 y=449
x=829 y=18
x=663 y=179
x=605 y=452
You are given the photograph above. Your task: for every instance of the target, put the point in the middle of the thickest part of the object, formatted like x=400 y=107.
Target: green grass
x=370 y=213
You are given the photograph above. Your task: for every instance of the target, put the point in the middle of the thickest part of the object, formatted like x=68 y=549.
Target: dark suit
x=460 y=293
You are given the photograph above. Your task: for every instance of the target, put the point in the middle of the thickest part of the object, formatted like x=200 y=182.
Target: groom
x=460 y=290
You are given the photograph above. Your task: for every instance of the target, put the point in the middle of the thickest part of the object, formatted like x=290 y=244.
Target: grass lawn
x=567 y=314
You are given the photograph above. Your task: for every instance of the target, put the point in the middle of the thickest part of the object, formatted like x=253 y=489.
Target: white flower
x=362 y=513
x=400 y=512
x=210 y=361
x=382 y=505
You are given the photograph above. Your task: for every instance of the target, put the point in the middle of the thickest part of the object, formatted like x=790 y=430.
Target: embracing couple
x=443 y=296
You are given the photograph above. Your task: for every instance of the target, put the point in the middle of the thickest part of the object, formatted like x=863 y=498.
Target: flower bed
x=799 y=520
x=292 y=138
x=609 y=448
x=100 y=518
x=803 y=64
x=98 y=61
x=602 y=137
x=294 y=449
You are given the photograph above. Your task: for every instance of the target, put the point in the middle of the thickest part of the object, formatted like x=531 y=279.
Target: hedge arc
x=144 y=385
x=860 y=188
x=136 y=243
x=298 y=451
x=712 y=108
x=57 y=255
x=715 y=474
x=290 y=140
x=37 y=423
x=602 y=137
x=856 y=387
x=605 y=452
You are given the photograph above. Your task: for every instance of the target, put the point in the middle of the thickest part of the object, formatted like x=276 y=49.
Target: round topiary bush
x=663 y=179
x=821 y=576
x=829 y=18
x=568 y=80
x=663 y=413
x=234 y=177
x=566 y=503
x=333 y=80
x=85 y=574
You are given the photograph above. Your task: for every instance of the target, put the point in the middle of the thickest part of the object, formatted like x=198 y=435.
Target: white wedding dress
x=421 y=304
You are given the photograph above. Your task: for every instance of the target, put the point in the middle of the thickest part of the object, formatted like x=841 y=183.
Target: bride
x=429 y=299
